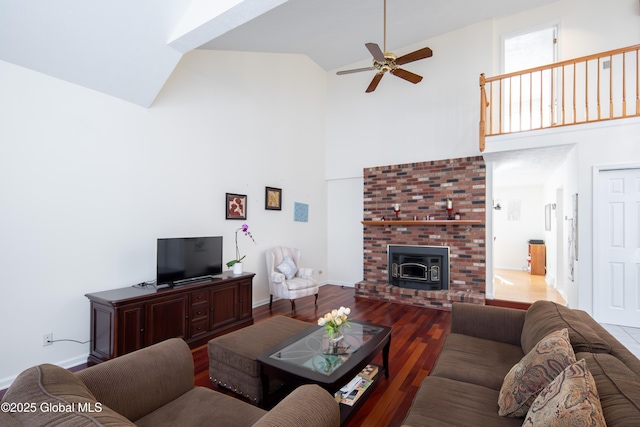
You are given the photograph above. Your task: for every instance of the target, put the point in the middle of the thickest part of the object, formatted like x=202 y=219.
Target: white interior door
x=616 y=285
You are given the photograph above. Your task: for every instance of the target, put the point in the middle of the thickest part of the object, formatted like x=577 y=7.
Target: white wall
x=557 y=238
x=520 y=220
x=401 y=122
x=345 y=231
x=89 y=182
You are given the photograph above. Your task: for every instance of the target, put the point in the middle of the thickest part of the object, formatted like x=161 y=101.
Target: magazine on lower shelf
x=351 y=392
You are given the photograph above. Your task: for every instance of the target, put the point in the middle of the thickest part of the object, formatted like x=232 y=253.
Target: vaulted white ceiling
x=128 y=49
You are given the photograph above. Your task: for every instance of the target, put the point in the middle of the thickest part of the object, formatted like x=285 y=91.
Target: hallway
x=520 y=286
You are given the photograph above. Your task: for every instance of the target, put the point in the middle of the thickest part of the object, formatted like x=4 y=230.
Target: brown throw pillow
x=570 y=400
x=534 y=372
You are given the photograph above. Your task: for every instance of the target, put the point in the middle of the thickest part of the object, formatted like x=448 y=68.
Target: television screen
x=185 y=259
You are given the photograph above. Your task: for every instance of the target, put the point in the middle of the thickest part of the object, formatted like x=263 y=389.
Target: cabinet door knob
x=141 y=329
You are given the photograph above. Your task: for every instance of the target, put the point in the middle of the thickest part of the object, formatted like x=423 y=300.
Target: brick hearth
x=422 y=189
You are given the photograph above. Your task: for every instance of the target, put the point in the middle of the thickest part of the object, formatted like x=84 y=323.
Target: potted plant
x=236 y=263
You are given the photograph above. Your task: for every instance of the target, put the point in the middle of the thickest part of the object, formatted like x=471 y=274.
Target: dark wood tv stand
x=127 y=319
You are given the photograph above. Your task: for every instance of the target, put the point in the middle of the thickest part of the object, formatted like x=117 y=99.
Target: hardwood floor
x=520 y=286
x=416 y=340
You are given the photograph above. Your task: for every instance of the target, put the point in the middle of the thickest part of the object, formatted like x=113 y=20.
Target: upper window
x=530 y=49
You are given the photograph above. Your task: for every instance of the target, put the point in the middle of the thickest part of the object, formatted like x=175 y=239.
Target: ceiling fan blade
x=374 y=83
x=414 y=56
x=407 y=75
x=355 y=70
x=376 y=52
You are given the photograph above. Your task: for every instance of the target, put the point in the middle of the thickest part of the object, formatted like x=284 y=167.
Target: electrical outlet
x=47 y=339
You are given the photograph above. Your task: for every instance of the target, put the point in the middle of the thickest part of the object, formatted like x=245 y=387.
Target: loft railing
x=593 y=88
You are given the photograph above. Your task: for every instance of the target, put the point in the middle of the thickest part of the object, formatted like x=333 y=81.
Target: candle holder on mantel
x=396 y=209
x=449 y=209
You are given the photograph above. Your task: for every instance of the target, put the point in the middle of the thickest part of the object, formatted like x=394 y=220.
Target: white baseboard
x=333 y=283
x=67 y=364
x=345 y=284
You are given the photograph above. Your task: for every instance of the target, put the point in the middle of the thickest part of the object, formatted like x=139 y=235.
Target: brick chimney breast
x=422 y=191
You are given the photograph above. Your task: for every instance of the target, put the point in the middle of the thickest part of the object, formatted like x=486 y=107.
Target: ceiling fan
x=384 y=61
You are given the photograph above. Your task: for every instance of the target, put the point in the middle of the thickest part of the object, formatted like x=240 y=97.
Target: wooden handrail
x=587 y=89
x=567 y=62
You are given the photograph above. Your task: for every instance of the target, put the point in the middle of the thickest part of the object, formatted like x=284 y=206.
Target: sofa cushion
x=618 y=388
x=201 y=407
x=59 y=398
x=544 y=317
x=485 y=362
x=571 y=399
x=155 y=375
x=487 y=322
x=534 y=372
x=307 y=405
x=442 y=402
x=298 y=283
x=6 y=420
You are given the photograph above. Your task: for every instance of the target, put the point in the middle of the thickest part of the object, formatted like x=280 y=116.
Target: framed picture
x=236 y=206
x=273 y=199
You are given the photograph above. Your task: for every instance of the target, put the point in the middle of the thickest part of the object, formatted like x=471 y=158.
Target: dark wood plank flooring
x=416 y=340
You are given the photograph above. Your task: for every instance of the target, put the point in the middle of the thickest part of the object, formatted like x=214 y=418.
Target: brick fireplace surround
x=422 y=189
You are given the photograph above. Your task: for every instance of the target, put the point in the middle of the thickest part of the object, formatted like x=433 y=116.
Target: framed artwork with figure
x=236 y=206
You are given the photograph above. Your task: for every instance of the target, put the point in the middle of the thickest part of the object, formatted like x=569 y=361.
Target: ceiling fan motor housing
x=388 y=65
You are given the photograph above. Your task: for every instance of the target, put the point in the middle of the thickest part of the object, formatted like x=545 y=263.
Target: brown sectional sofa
x=486 y=342
x=153 y=386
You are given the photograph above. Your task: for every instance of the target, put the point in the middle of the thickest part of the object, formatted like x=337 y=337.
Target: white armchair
x=286 y=278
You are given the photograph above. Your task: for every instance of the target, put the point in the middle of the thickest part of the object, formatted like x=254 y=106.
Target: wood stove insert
x=419 y=267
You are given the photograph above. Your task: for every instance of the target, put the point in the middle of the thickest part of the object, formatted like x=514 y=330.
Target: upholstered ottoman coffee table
x=233 y=357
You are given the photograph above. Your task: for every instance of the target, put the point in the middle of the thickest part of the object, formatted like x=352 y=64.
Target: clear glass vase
x=334 y=341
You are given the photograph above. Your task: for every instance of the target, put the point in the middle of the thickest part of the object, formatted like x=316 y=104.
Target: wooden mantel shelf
x=420 y=222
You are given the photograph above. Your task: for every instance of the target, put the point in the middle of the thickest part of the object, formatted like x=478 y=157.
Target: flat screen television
x=187 y=259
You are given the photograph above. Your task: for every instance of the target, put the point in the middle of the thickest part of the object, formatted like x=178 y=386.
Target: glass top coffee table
x=309 y=357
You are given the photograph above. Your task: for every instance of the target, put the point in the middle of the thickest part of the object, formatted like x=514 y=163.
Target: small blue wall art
x=301 y=212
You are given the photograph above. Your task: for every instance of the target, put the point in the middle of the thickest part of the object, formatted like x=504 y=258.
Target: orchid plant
x=245 y=230
x=334 y=320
